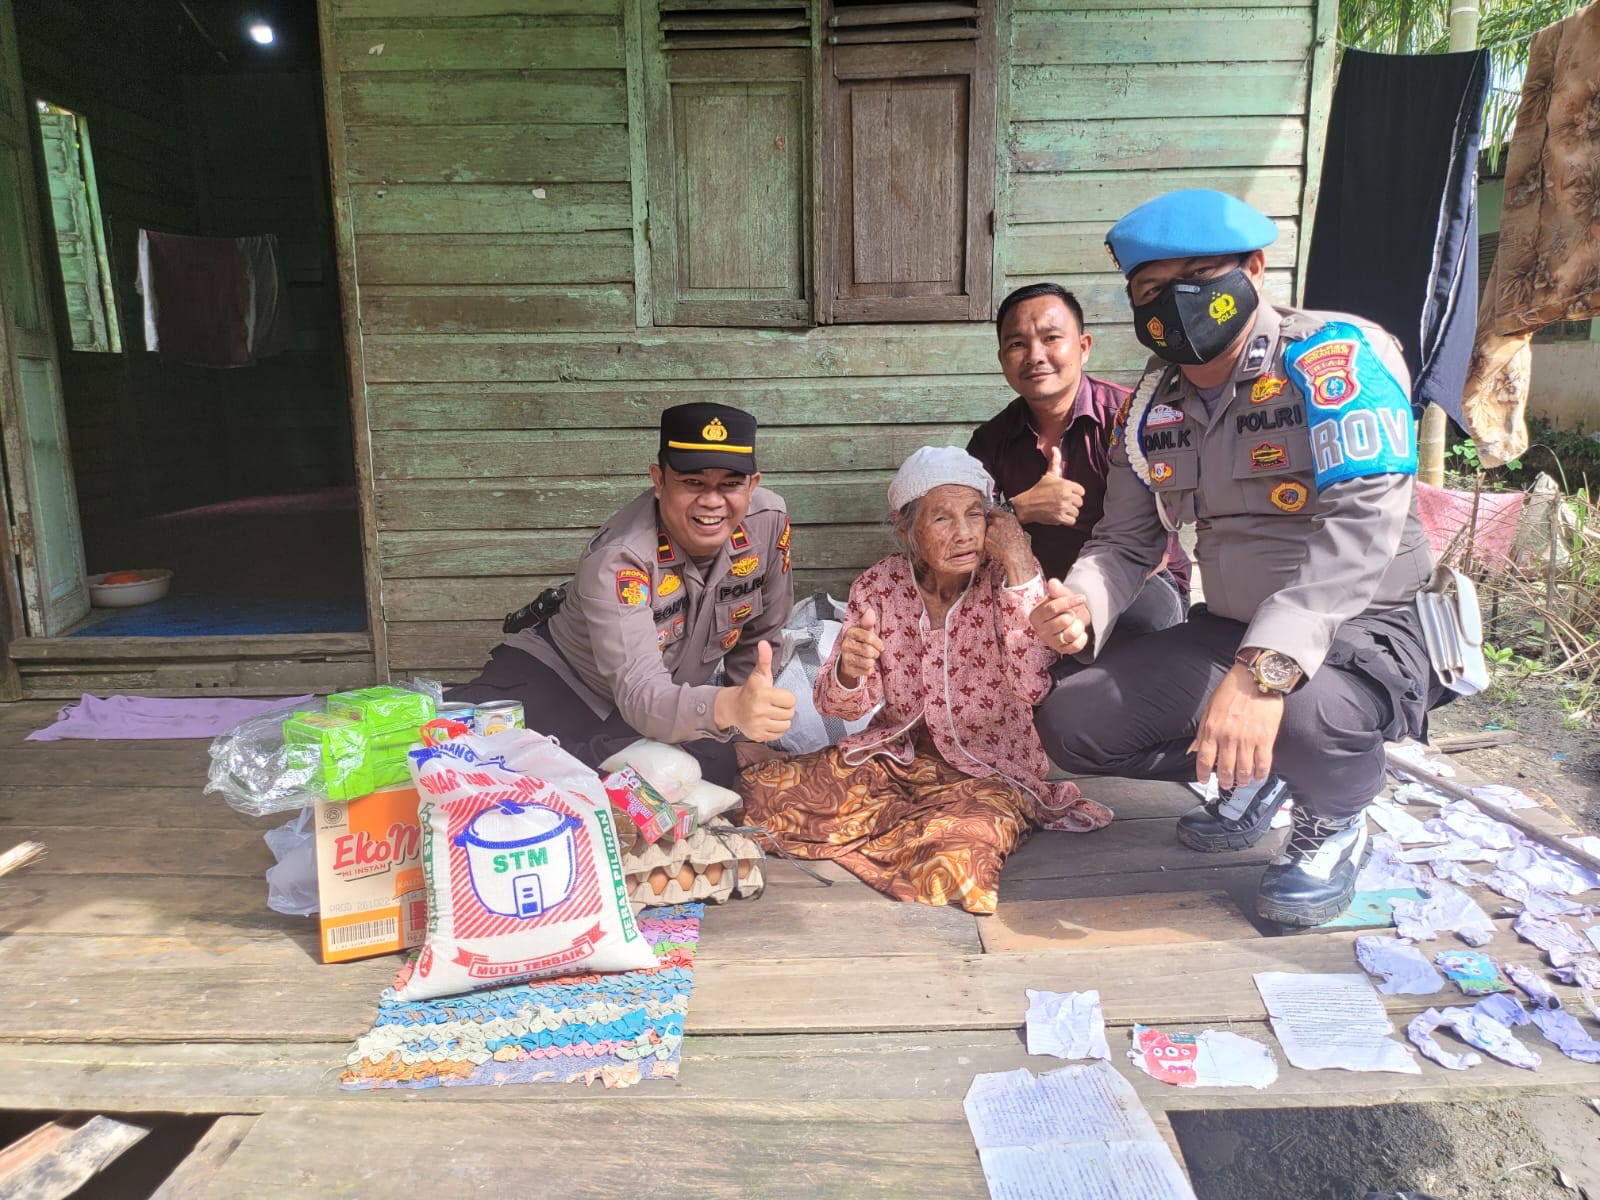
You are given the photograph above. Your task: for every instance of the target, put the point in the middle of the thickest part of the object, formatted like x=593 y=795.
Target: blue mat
x=223 y=616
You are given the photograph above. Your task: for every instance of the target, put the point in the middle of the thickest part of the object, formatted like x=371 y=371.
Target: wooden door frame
x=354 y=345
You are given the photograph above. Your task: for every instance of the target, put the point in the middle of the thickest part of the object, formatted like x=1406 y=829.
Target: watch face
x=1276 y=670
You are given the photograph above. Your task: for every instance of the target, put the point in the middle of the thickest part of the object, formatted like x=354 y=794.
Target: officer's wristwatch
x=1273 y=672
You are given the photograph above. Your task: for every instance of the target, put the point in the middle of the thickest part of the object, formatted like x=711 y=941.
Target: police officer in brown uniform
x=1287 y=439
x=692 y=574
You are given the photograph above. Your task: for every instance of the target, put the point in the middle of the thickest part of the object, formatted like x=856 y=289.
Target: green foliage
x=1462 y=459
x=1571 y=455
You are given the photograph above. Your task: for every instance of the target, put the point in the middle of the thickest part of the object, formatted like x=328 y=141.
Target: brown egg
x=744 y=870
x=658 y=880
x=686 y=876
x=714 y=874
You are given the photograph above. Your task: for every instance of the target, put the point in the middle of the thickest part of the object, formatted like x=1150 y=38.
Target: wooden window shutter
x=728 y=150
x=908 y=115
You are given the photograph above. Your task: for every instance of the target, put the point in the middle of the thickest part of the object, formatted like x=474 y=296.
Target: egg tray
x=713 y=864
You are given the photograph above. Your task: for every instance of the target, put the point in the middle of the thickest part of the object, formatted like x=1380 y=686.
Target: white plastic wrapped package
x=523 y=867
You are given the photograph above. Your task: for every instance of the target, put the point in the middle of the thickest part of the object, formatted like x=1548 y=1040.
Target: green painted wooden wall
x=484 y=184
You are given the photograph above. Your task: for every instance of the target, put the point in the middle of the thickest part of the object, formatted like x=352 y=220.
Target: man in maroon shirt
x=1049 y=449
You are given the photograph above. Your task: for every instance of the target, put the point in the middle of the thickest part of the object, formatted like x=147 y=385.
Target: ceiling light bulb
x=262 y=33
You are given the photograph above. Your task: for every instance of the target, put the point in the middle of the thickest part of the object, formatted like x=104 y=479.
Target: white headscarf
x=933 y=466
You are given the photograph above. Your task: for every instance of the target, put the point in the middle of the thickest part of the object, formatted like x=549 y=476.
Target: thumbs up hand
x=1061 y=619
x=859 y=650
x=1054 y=500
x=757 y=708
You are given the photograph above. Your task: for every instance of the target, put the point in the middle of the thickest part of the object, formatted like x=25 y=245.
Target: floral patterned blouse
x=974 y=682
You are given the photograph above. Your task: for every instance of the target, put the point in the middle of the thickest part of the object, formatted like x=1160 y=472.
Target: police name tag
x=1358 y=415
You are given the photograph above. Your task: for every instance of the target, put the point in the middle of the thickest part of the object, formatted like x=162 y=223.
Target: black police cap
x=697 y=437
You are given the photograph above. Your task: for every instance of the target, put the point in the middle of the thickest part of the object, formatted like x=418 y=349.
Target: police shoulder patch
x=1357 y=413
x=633 y=587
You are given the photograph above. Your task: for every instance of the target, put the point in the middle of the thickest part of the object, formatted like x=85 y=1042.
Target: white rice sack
x=523 y=867
x=668 y=769
x=710 y=800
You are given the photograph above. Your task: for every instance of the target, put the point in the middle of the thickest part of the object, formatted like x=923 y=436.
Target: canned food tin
x=463 y=713
x=496 y=716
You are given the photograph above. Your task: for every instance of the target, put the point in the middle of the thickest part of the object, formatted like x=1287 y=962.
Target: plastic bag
x=523 y=867
x=292 y=881
x=349 y=745
x=809 y=637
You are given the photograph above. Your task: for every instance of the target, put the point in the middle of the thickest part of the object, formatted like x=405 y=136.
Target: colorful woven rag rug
x=617 y=1029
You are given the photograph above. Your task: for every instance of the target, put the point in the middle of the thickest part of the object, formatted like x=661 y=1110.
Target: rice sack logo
x=1358 y=416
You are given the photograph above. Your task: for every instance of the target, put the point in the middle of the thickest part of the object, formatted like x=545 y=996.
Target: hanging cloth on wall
x=1396 y=233
x=1547 y=266
x=212 y=302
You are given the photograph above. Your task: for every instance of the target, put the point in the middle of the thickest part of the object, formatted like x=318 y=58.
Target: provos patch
x=1358 y=415
x=633 y=587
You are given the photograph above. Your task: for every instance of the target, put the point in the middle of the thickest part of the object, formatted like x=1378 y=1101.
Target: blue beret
x=1187 y=224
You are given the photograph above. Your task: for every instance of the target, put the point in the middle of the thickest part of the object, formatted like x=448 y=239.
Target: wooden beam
x=70 y=1162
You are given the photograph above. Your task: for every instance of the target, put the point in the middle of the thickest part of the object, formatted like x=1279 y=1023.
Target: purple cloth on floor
x=149 y=717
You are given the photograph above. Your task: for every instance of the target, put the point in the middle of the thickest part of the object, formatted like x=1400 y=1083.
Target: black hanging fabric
x=1396 y=232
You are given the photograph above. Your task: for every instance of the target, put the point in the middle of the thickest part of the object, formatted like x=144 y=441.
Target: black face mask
x=1193 y=323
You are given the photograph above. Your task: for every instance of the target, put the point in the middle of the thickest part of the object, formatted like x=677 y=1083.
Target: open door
x=43 y=506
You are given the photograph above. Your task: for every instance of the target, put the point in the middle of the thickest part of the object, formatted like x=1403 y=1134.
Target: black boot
x=1236 y=820
x=1315 y=876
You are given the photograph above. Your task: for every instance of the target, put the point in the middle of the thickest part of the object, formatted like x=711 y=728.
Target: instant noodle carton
x=640 y=803
x=369 y=874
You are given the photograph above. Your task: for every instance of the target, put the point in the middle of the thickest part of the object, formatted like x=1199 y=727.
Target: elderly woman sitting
x=927 y=801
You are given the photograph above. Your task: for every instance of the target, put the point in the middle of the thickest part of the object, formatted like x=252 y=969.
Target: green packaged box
x=383 y=710
x=341 y=758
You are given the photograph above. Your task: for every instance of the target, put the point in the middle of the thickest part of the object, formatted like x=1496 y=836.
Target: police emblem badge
x=1160 y=472
x=668 y=585
x=1330 y=370
x=743 y=613
x=743 y=566
x=1289 y=496
x=730 y=639
x=1266 y=388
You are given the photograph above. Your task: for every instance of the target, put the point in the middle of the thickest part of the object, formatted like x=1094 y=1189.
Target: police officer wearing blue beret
x=1287 y=439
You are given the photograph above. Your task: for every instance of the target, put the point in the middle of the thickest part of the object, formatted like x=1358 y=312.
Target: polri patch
x=668 y=585
x=743 y=566
x=633 y=587
x=1160 y=472
x=1268 y=456
x=1289 y=496
x=1120 y=425
x=1357 y=414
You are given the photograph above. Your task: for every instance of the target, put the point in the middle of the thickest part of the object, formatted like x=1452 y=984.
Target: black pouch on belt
x=536 y=612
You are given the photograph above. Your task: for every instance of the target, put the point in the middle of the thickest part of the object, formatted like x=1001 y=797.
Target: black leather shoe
x=1315 y=876
x=1236 y=820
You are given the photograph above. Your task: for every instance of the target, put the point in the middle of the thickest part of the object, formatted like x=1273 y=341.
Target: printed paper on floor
x=1079 y=1133
x=1332 y=1022
x=1067 y=1025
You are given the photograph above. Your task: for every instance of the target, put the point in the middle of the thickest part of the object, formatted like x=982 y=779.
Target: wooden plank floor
x=833 y=1033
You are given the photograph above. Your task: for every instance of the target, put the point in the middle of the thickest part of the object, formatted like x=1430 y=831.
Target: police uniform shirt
x=643 y=626
x=1305 y=511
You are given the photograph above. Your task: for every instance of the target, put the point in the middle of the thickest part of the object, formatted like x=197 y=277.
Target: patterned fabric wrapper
x=617 y=1029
